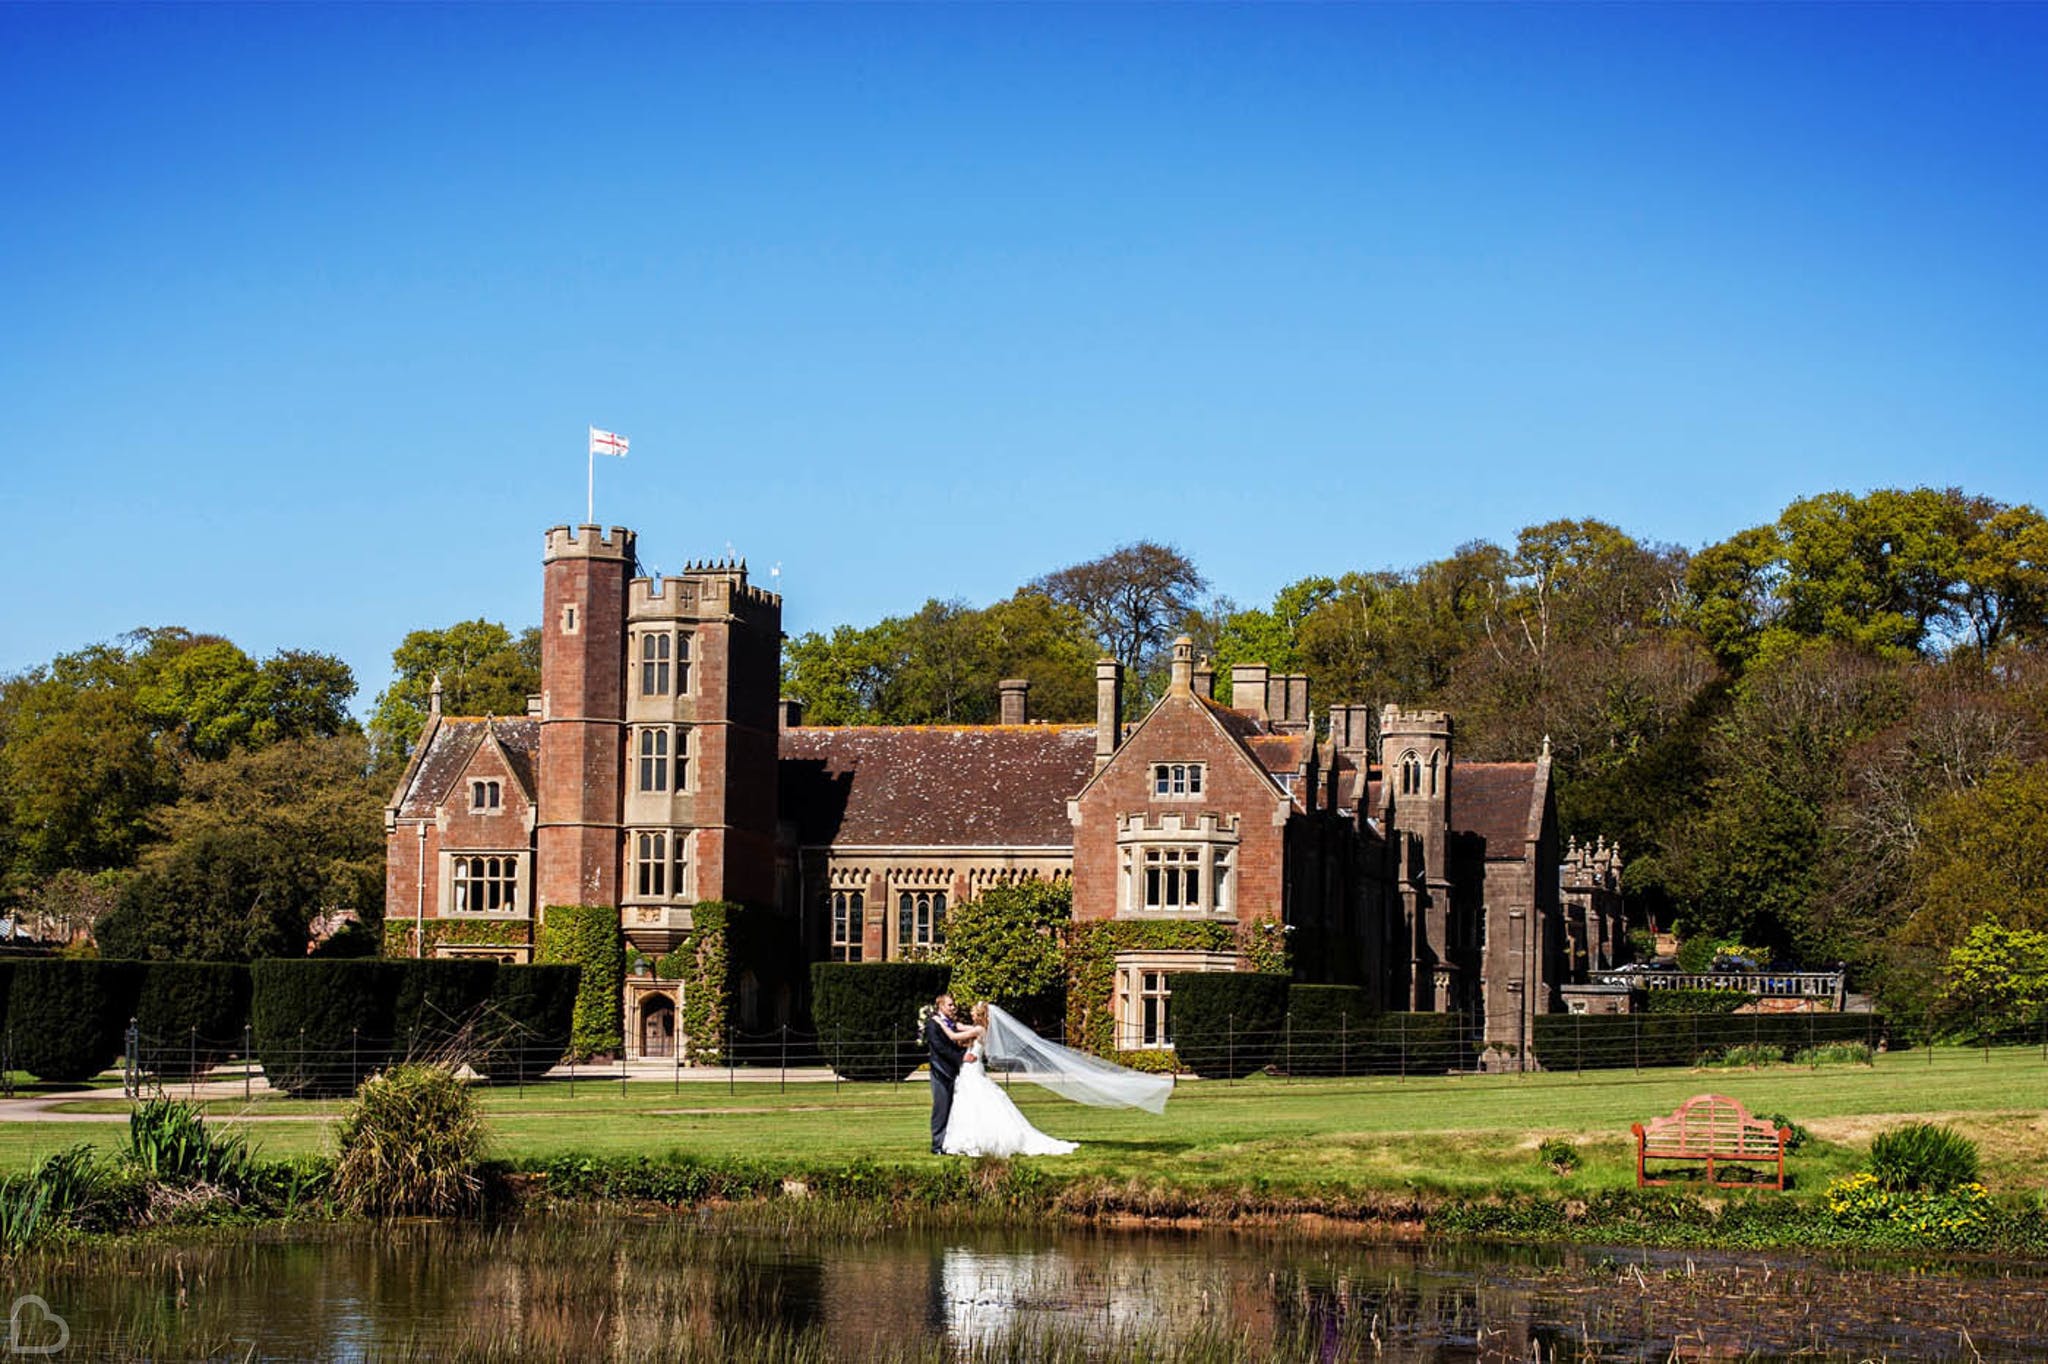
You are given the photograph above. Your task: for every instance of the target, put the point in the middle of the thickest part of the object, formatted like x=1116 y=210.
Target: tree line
x=1821 y=738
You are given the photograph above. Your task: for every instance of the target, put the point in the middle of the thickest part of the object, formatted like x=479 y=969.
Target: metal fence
x=1397 y=1046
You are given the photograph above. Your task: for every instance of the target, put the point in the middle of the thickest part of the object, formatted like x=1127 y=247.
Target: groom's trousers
x=942 y=1108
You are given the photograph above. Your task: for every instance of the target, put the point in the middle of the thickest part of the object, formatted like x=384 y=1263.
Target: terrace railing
x=1831 y=985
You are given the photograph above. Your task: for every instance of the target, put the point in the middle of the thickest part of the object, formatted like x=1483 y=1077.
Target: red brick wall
x=1179 y=731
x=582 y=743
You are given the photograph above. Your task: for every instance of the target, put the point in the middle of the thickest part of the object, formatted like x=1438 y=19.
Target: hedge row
x=319 y=1025
x=866 y=1013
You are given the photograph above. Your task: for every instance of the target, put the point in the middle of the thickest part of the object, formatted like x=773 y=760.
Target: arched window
x=920 y=919
x=1435 y=759
x=650 y=865
x=654 y=665
x=654 y=760
x=1411 y=774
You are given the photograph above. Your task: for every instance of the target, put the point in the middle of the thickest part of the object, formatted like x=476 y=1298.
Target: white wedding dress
x=985 y=1123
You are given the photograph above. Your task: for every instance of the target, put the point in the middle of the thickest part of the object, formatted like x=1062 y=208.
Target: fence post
x=785 y=1058
x=1637 y=1066
x=572 y=1072
x=355 y=1062
x=1579 y=1043
x=131 y=1071
x=1287 y=1041
x=1404 y=1048
x=732 y=1059
x=1230 y=1043
x=248 y=1063
x=678 y=1056
x=1343 y=1044
x=837 y=1034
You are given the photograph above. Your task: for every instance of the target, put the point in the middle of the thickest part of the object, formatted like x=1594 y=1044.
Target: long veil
x=1071 y=1074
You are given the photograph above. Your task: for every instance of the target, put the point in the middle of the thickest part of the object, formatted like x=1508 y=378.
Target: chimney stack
x=1183 y=664
x=1205 y=679
x=1016 y=700
x=1248 y=689
x=1109 y=710
x=792 y=713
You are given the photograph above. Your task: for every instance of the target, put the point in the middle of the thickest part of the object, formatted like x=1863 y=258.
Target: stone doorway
x=657 y=1027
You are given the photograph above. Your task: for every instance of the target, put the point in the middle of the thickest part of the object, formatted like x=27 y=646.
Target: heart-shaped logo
x=28 y=1327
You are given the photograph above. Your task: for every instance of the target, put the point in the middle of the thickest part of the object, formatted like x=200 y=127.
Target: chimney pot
x=1015 y=693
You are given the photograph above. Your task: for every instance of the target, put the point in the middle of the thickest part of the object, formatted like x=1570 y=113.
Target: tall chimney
x=1248 y=688
x=1109 y=709
x=1205 y=678
x=1183 y=664
x=1016 y=699
x=792 y=713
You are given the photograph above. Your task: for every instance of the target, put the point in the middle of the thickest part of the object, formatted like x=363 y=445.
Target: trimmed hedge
x=321 y=1026
x=190 y=1014
x=67 y=1019
x=866 y=1013
x=1225 y=1024
x=533 y=1010
x=588 y=936
x=442 y=1000
x=1622 y=1041
x=1328 y=1030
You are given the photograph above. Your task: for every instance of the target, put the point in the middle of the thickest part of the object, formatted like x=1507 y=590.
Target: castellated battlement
x=588 y=542
x=1393 y=718
x=710 y=586
x=1207 y=824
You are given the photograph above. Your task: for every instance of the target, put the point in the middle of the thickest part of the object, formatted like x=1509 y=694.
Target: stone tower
x=704 y=657
x=582 y=732
x=1415 y=774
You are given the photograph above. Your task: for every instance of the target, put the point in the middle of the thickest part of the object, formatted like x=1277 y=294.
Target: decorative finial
x=1546 y=745
x=434 y=696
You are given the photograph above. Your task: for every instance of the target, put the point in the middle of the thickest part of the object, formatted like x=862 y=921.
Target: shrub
x=1922 y=1157
x=411 y=1144
x=1693 y=1001
x=588 y=936
x=1005 y=946
x=1748 y=1054
x=1558 y=1155
x=1836 y=1054
x=168 y=1140
x=1795 y=1135
x=440 y=1000
x=190 y=1014
x=321 y=1026
x=1225 y=1024
x=67 y=1019
x=532 y=1013
x=1328 y=1031
x=866 y=1014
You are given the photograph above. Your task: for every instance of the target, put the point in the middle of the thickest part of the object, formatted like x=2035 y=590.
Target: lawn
x=1466 y=1133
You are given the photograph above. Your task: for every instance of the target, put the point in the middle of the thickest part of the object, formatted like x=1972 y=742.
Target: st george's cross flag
x=607 y=443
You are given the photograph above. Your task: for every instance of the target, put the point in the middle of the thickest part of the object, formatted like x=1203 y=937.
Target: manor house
x=659 y=768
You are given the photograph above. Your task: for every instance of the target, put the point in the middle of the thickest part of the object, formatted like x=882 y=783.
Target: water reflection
x=685 y=1287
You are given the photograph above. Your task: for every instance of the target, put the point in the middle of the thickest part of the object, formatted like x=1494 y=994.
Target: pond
x=697 y=1286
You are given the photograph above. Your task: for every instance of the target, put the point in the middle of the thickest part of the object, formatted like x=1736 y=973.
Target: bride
x=985 y=1122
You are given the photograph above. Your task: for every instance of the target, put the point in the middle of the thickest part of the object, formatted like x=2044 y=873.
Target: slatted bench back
x=1711 y=1125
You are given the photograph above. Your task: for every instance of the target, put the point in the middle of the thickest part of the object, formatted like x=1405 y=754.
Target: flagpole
x=590 y=487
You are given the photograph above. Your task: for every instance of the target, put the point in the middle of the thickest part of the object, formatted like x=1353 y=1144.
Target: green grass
x=1467 y=1133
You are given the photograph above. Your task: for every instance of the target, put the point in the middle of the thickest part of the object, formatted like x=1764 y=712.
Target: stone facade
x=659 y=769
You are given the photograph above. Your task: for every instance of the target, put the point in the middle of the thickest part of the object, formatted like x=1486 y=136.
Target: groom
x=946 y=1043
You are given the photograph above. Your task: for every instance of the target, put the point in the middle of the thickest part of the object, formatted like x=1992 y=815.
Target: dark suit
x=944 y=1054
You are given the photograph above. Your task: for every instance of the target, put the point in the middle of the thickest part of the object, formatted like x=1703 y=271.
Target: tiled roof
x=934 y=785
x=449 y=750
x=1279 y=752
x=1492 y=800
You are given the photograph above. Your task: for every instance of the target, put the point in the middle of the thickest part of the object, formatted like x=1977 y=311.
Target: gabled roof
x=1493 y=800
x=934 y=786
x=446 y=749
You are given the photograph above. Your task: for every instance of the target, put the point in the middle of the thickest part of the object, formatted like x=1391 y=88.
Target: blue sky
x=306 y=308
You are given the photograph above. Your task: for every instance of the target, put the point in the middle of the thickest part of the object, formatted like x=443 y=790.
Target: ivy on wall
x=1092 y=949
x=458 y=932
x=702 y=961
x=589 y=936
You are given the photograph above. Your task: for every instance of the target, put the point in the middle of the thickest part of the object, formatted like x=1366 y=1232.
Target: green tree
x=1996 y=980
x=484 y=670
x=223 y=895
x=1270 y=635
x=1131 y=597
x=1005 y=946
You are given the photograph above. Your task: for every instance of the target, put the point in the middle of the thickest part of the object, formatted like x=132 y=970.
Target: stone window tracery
x=849 y=924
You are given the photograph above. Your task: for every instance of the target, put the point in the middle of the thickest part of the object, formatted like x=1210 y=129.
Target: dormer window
x=485 y=796
x=1176 y=780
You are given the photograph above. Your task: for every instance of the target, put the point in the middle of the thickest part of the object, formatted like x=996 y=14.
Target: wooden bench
x=1712 y=1128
